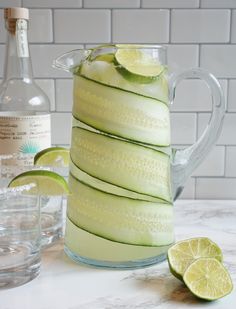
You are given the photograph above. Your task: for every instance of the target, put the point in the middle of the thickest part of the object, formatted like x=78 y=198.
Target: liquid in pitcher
x=120 y=209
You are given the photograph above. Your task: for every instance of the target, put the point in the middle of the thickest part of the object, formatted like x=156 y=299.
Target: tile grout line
x=53 y=26
x=54 y=79
x=199 y=53
x=111 y=25
x=170 y=24
x=230 y=26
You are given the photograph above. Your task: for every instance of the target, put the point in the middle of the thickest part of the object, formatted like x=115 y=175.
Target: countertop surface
x=63 y=284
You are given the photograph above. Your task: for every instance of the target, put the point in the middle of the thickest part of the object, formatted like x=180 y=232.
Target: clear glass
x=51 y=206
x=111 y=74
x=20 y=237
x=20 y=96
x=51 y=219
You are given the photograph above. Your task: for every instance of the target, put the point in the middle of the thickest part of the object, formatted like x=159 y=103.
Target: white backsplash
x=197 y=33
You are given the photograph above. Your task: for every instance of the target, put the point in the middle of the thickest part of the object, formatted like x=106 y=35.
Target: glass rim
x=6 y=192
x=17 y=191
x=129 y=46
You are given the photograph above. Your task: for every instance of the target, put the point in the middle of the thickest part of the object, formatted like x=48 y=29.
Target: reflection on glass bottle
x=25 y=126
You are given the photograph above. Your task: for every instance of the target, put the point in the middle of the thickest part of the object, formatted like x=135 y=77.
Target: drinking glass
x=51 y=206
x=20 y=236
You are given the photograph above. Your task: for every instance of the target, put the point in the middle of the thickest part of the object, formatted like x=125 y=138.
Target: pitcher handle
x=184 y=161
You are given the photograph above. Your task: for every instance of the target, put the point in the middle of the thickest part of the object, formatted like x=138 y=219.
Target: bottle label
x=24 y=134
x=21 y=39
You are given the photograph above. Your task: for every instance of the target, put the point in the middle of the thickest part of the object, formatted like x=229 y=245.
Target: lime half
x=208 y=279
x=53 y=156
x=47 y=182
x=185 y=252
x=138 y=64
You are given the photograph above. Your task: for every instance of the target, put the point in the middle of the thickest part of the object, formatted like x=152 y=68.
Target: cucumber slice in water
x=118 y=218
x=121 y=163
x=121 y=113
x=77 y=123
x=107 y=187
x=77 y=240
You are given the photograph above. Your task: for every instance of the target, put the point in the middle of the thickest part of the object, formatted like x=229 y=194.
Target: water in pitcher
x=121 y=205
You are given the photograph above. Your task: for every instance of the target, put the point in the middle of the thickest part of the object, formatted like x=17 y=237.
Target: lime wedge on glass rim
x=185 y=252
x=46 y=182
x=137 y=64
x=208 y=279
x=53 y=156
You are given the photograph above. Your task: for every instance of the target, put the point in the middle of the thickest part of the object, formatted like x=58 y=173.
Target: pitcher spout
x=70 y=60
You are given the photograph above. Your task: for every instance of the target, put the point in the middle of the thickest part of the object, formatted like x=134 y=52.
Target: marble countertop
x=63 y=284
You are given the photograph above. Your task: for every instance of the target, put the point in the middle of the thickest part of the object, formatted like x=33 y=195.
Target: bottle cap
x=16 y=13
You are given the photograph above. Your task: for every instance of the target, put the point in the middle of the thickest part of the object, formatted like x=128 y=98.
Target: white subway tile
x=52 y=3
x=112 y=4
x=227 y=135
x=181 y=57
x=9 y=3
x=232 y=96
x=189 y=190
x=162 y=4
x=197 y=26
x=230 y=169
x=218 y=4
x=61 y=128
x=140 y=26
x=64 y=95
x=47 y=85
x=217 y=188
x=43 y=56
x=194 y=95
x=219 y=60
x=233 y=26
x=213 y=164
x=40 y=26
x=2 y=59
x=183 y=128
x=84 y=26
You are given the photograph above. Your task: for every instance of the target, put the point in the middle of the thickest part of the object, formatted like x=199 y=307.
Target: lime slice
x=53 y=156
x=138 y=64
x=183 y=253
x=208 y=279
x=47 y=182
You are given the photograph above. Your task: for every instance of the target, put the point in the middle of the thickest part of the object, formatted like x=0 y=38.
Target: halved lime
x=208 y=279
x=53 y=156
x=185 y=252
x=138 y=64
x=47 y=182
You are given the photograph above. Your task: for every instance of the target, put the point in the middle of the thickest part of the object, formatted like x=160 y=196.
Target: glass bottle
x=25 y=124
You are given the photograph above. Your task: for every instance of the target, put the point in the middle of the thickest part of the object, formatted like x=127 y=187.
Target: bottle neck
x=17 y=60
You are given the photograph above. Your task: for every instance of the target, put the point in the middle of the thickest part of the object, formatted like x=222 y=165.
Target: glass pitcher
x=124 y=175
